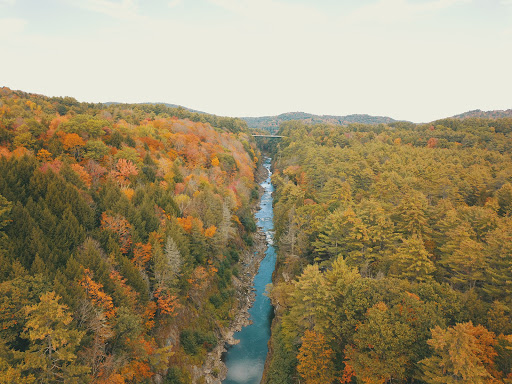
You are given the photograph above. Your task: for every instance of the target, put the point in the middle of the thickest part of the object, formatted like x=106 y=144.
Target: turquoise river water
x=245 y=361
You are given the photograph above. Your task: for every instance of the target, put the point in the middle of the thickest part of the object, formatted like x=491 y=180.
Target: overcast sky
x=417 y=60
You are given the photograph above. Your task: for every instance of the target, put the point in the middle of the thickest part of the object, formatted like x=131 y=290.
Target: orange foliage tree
x=44 y=155
x=141 y=255
x=432 y=142
x=316 y=359
x=122 y=172
x=119 y=225
x=84 y=176
x=72 y=143
x=54 y=124
x=99 y=298
x=210 y=231
x=463 y=354
x=188 y=222
x=167 y=304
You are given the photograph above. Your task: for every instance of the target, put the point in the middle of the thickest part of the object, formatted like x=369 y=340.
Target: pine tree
x=505 y=199
x=412 y=261
x=306 y=301
x=174 y=259
x=337 y=280
x=381 y=235
x=411 y=214
x=463 y=354
x=381 y=351
x=342 y=233
x=226 y=227
x=288 y=240
x=5 y=210
x=498 y=258
x=53 y=343
x=463 y=257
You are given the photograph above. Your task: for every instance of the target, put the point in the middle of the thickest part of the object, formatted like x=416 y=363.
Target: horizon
x=413 y=60
x=262 y=116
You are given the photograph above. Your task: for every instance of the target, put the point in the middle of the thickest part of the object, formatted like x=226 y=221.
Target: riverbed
x=245 y=361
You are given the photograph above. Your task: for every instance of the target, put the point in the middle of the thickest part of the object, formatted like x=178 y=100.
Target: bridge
x=270 y=136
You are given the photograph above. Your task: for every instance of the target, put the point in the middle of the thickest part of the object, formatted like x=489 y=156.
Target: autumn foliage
x=116 y=236
x=95 y=293
x=123 y=171
x=141 y=255
x=121 y=227
x=315 y=359
x=394 y=253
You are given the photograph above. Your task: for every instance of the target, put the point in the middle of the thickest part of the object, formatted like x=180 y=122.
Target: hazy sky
x=408 y=59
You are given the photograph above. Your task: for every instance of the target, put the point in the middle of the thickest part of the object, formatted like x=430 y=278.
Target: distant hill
x=165 y=104
x=496 y=114
x=272 y=123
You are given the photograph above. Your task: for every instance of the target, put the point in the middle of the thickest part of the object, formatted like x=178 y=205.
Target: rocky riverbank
x=213 y=371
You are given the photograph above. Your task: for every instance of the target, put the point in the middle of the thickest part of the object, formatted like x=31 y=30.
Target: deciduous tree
x=316 y=359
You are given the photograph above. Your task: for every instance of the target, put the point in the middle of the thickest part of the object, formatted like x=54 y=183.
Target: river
x=245 y=361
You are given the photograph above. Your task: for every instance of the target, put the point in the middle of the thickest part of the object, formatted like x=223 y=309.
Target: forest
x=272 y=123
x=395 y=253
x=121 y=231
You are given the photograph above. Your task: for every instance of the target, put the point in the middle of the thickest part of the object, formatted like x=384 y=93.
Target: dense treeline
x=395 y=253
x=120 y=231
x=495 y=114
x=272 y=123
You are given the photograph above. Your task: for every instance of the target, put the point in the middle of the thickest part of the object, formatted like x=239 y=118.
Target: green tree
x=85 y=125
x=381 y=235
x=463 y=257
x=411 y=214
x=498 y=258
x=329 y=320
x=95 y=149
x=15 y=294
x=53 y=342
x=305 y=304
x=382 y=346
x=342 y=233
x=5 y=210
x=412 y=261
x=505 y=199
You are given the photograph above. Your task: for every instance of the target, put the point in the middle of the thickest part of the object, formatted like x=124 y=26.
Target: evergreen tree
x=342 y=233
x=382 y=346
x=411 y=215
x=53 y=343
x=412 y=261
x=462 y=354
x=498 y=259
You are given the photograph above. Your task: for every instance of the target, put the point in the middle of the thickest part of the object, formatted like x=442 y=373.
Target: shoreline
x=214 y=370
